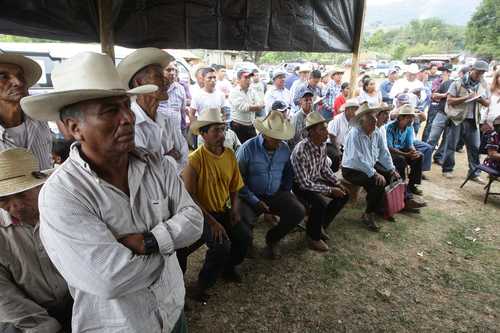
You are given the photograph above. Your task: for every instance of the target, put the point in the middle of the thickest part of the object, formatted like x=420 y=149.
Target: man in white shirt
x=407 y=84
x=339 y=125
x=153 y=130
x=175 y=106
x=244 y=104
x=222 y=85
x=277 y=92
x=112 y=215
x=208 y=97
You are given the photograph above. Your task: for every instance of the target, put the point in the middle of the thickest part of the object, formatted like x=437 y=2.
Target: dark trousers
x=323 y=210
x=415 y=175
x=220 y=256
x=374 y=192
x=284 y=204
x=243 y=132
x=335 y=155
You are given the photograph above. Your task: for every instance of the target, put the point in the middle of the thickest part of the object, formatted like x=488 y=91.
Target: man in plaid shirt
x=315 y=183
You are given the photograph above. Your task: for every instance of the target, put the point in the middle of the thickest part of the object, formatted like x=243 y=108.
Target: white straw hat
x=314 y=118
x=207 y=117
x=31 y=69
x=85 y=76
x=405 y=110
x=350 y=103
x=19 y=171
x=275 y=126
x=139 y=59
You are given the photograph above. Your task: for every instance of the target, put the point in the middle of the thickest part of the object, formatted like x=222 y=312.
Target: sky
x=400 y=12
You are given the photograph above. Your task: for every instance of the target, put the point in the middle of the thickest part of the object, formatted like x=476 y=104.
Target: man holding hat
x=264 y=163
x=315 y=182
x=212 y=177
x=364 y=148
x=35 y=298
x=245 y=103
x=299 y=118
x=466 y=96
x=153 y=131
x=17 y=74
x=304 y=72
x=112 y=215
x=278 y=91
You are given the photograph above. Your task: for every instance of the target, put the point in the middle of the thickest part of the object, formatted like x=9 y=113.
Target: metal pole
x=105 y=8
x=357 y=41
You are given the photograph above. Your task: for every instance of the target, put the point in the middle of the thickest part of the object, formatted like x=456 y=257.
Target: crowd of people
x=97 y=225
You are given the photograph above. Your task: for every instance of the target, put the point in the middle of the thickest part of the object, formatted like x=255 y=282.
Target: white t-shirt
x=223 y=86
x=204 y=100
x=339 y=126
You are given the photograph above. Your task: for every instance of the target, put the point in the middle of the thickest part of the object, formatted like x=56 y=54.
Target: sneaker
x=448 y=175
x=478 y=180
x=318 y=246
x=415 y=190
x=369 y=221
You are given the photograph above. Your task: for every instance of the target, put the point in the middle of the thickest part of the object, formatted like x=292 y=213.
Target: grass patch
x=464 y=239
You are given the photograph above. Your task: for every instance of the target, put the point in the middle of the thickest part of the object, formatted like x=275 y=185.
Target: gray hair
x=72 y=111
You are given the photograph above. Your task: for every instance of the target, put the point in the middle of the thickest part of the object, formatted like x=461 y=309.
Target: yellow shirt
x=217 y=177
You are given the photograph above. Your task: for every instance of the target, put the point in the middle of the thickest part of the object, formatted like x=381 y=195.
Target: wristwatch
x=150 y=243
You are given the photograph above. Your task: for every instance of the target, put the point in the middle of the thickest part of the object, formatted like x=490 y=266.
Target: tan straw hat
x=314 y=118
x=350 y=103
x=207 y=117
x=139 y=59
x=405 y=110
x=19 y=171
x=363 y=109
x=85 y=76
x=31 y=69
x=275 y=126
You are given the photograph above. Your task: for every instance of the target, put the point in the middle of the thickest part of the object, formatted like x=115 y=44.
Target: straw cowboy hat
x=275 y=126
x=207 y=117
x=364 y=109
x=85 y=76
x=31 y=69
x=19 y=171
x=314 y=118
x=139 y=59
x=405 y=110
x=305 y=68
x=350 y=103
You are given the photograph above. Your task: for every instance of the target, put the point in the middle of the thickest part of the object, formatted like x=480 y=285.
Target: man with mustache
x=153 y=130
x=17 y=74
x=112 y=215
x=212 y=177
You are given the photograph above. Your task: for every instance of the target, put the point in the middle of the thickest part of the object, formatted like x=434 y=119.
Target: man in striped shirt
x=17 y=74
x=175 y=106
x=315 y=182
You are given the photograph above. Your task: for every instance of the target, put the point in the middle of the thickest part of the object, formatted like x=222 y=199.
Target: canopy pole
x=357 y=42
x=105 y=8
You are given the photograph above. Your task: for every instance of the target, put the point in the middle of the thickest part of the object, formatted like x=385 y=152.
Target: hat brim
x=319 y=122
x=22 y=184
x=46 y=107
x=31 y=69
x=197 y=124
x=284 y=135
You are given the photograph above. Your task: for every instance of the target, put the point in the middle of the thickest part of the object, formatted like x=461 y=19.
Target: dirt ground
x=434 y=272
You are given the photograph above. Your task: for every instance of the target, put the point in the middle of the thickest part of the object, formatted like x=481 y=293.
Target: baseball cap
x=279 y=106
x=277 y=73
x=480 y=65
x=306 y=91
x=244 y=72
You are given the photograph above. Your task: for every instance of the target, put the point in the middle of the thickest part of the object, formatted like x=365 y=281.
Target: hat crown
x=212 y=114
x=314 y=118
x=17 y=162
x=406 y=109
x=275 y=121
x=87 y=71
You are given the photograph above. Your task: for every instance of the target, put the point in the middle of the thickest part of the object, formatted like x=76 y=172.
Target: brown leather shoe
x=324 y=235
x=318 y=246
x=412 y=203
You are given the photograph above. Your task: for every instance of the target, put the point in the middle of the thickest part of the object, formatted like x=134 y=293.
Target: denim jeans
x=469 y=131
x=431 y=114
x=426 y=150
x=438 y=128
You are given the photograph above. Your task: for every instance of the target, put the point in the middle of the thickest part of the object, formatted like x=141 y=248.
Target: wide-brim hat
x=85 y=76
x=19 y=172
x=314 y=118
x=350 y=103
x=275 y=126
x=207 y=117
x=139 y=59
x=405 y=110
x=31 y=69
x=305 y=68
x=363 y=109
x=412 y=69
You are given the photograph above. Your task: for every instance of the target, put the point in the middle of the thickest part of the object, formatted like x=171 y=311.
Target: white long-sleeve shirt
x=274 y=94
x=81 y=218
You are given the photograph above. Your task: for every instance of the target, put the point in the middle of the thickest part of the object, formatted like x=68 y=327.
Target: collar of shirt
x=141 y=115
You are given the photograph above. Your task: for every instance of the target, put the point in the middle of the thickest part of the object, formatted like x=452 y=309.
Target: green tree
x=483 y=30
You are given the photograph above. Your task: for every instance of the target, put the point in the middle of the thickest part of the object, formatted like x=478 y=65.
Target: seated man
x=35 y=297
x=266 y=169
x=153 y=130
x=212 y=177
x=364 y=149
x=231 y=140
x=112 y=215
x=400 y=138
x=493 y=147
x=315 y=184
